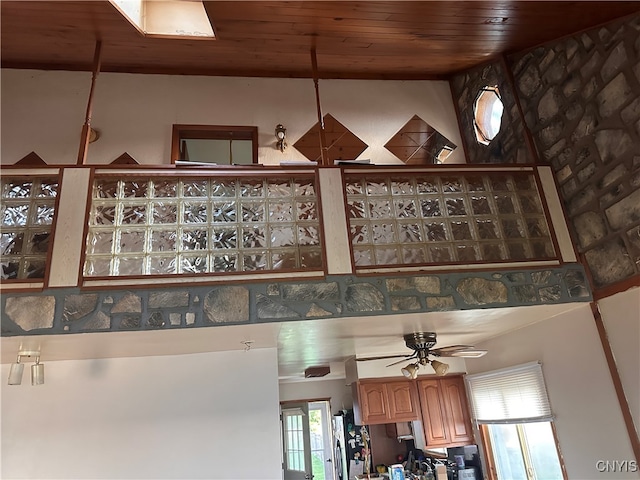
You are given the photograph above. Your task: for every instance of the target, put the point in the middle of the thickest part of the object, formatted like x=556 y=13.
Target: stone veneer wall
x=581 y=101
x=509 y=145
x=69 y=310
x=581 y=98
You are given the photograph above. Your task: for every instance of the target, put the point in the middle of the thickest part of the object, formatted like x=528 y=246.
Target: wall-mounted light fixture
x=17 y=369
x=281 y=134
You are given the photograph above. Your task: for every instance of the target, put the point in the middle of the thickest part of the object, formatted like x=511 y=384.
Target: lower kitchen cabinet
x=445 y=412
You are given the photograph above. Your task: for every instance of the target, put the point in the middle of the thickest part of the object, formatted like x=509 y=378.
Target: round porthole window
x=487 y=114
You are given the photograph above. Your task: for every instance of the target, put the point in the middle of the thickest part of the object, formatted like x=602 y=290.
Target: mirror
x=418 y=143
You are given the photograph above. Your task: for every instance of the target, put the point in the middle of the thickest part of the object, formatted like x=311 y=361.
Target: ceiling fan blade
x=465 y=351
x=476 y=353
x=366 y=359
x=453 y=347
x=402 y=361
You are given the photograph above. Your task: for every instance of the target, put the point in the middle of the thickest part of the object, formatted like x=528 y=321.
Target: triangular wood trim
x=32 y=160
x=125 y=159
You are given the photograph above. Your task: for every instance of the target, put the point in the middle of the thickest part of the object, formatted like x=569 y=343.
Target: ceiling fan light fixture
x=411 y=370
x=422 y=344
x=440 y=368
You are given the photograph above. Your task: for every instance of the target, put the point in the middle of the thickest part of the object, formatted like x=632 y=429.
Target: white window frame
x=490 y=394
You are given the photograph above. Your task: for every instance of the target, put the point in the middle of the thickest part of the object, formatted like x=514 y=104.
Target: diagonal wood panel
x=341 y=144
x=418 y=143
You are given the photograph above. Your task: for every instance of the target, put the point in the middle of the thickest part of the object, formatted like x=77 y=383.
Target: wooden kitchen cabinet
x=457 y=408
x=445 y=412
x=440 y=403
x=374 y=407
x=403 y=401
x=433 y=413
x=379 y=402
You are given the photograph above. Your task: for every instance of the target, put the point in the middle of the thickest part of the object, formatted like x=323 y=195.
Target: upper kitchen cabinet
x=379 y=402
x=403 y=401
x=457 y=407
x=433 y=413
x=445 y=412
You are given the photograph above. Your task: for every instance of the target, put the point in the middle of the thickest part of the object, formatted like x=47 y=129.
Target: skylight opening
x=487 y=114
x=167 y=18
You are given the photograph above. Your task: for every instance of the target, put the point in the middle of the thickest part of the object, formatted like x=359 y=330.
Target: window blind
x=510 y=395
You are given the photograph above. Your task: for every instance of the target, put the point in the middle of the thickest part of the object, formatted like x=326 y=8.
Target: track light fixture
x=15 y=373
x=17 y=369
x=37 y=373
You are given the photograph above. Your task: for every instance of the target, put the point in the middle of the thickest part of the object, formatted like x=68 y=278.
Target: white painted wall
x=44 y=112
x=212 y=415
x=621 y=317
x=336 y=390
x=588 y=419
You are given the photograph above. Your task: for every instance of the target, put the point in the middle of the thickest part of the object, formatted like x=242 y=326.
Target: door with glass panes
x=296 y=442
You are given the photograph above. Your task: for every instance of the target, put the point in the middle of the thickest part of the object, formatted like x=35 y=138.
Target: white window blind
x=510 y=395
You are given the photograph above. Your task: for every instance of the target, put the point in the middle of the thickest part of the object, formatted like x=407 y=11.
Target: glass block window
x=28 y=210
x=446 y=219
x=197 y=225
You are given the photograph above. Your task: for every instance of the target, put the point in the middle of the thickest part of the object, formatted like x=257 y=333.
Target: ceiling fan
x=422 y=344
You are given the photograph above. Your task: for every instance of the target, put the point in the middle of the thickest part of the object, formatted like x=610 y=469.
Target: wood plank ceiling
x=365 y=39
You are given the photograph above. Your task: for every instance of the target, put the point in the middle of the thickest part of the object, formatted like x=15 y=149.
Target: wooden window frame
x=453 y=170
x=204 y=277
x=212 y=132
x=28 y=284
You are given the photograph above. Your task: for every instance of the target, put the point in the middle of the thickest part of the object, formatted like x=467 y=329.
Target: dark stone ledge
x=66 y=311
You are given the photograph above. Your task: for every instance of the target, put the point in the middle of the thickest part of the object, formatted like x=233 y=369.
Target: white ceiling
x=300 y=344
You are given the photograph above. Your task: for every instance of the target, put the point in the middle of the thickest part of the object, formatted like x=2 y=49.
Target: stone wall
x=64 y=311
x=509 y=145
x=581 y=99
x=581 y=102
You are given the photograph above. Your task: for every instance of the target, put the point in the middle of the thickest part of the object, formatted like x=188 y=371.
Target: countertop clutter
x=461 y=463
